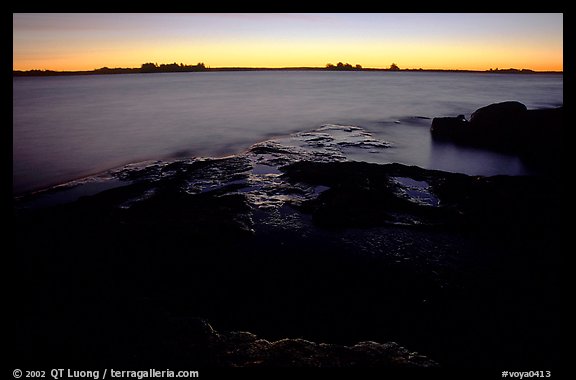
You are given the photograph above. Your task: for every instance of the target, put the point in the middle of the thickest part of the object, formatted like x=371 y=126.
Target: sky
x=468 y=41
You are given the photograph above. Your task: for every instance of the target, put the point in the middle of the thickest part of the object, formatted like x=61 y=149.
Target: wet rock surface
x=296 y=244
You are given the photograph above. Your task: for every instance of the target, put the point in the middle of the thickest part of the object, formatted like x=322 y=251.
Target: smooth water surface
x=69 y=127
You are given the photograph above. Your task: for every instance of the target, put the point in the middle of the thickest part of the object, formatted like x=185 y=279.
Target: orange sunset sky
x=466 y=41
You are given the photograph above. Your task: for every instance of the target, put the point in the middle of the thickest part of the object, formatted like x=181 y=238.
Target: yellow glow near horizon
x=304 y=55
x=268 y=46
x=256 y=54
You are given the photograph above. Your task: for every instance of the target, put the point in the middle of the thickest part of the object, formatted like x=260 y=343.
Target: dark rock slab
x=363 y=195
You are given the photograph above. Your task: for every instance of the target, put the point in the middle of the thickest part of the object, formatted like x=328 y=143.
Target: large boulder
x=507 y=126
x=498 y=116
x=498 y=125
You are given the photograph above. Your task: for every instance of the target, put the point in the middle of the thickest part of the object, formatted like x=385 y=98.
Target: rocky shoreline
x=295 y=244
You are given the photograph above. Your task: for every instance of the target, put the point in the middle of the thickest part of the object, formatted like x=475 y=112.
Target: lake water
x=69 y=127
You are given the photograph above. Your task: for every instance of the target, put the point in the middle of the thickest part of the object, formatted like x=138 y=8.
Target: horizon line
x=208 y=68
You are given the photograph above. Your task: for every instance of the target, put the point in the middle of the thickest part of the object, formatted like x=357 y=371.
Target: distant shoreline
x=112 y=71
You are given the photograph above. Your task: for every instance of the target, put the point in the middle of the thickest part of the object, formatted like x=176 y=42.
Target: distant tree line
x=145 y=68
x=347 y=66
x=171 y=68
x=342 y=66
x=511 y=70
x=150 y=67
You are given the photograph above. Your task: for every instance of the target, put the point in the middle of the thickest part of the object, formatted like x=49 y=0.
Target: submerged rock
x=448 y=127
